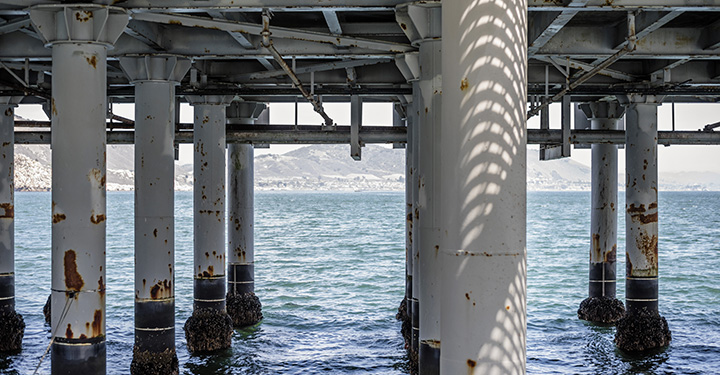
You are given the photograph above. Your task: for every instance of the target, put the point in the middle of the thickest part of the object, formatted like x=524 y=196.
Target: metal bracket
x=557 y=151
x=355 y=124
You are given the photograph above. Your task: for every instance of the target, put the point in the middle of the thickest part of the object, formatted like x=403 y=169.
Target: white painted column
x=483 y=205
x=154 y=79
x=80 y=36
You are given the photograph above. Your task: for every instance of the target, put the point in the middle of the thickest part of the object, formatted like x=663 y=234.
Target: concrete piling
x=210 y=327
x=12 y=324
x=601 y=305
x=243 y=305
x=79 y=36
x=154 y=79
x=642 y=328
x=483 y=204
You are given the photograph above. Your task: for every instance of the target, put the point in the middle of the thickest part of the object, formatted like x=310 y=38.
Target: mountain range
x=330 y=167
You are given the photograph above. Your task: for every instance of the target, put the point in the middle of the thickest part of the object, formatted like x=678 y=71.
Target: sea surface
x=330 y=275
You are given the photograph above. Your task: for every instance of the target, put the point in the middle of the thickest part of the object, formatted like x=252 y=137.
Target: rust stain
x=155 y=233
x=58 y=218
x=653 y=205
x=98 y=176
x=68 y=332
x=101 y=286
x=596 y=250
x=54 y=109
x=82 y=336
x=464 y=84
x=8 y=112
x=471 y=363
x=97 y=323
x=210 y=272
x=467 y=296
x=9 y=210
x=207 y=255
x=175 y=22
x=403 y=26
x=92 y=61
x=633 y=209
x=611 y=256
x=507 y=308
x=83 y=15
x=644 y=219
x=97 y=219
x=73 y=280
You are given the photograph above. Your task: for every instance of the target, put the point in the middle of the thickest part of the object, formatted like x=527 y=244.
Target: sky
x=676 y=158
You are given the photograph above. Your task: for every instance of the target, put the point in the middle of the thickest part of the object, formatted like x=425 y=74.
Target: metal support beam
x=11 y=338
x=483 y=183
x=642 y=328
x=332 y=21
x=277 y=32
x=209 y=228
x=355 y=125
x=429 y=190
x=601 y=304
x=242 y=304
x=15 y=25
x=79 y=36
x=154 y=79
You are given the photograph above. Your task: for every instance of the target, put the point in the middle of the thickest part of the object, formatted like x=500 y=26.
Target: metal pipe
x=415 y=303
x=210 y=327
x=409 y=150
x=154 y=79
x=243 y=305
x=642 y=328
x=13 y=335
x=267 y=43
x=641 y=205
x=601 y=304
x=429 y=193
x=483 y=184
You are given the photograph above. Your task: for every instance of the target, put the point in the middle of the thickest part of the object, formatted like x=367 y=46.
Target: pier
x=464 y=77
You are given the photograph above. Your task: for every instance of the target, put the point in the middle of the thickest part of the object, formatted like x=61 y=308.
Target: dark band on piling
x=210 y=293
x=78 y=356
x=429 y=357
x=602 y=280
x=241 y=277
x=641 y=292
x=155 y=325
x=7 y=292
x=415 y=342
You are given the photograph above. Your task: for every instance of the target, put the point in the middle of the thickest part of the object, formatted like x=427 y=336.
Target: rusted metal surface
x=79 y=37
x=641 y=204
x=427 y=208
x=483 y=184
x=209 y=201
x=7 y=206
x=603 y=219
x=241 y=206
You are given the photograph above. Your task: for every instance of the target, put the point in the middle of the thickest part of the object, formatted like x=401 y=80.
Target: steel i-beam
x=154 y=79
x=483 y=167
x=79 y=36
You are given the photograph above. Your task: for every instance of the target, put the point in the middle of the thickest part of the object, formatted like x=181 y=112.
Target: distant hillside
x=329 y=167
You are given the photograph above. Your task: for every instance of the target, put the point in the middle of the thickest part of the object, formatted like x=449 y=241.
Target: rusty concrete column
x=243 y=305
x=602 y=305
x=80 y=36
x=14 y=325
x=642 y=328
x=210 y=327
x=154 y=79
x=483 y=203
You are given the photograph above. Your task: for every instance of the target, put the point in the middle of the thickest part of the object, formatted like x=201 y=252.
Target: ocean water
x=330 y=275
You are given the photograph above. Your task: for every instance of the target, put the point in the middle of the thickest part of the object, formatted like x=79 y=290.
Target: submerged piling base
x=208 y=330
x=601 y=309
x=642 y=330
x=154 y=363
x=47 y=309
x=406 y=320
x=12 y=329
x=244 y=309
